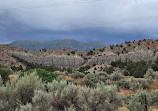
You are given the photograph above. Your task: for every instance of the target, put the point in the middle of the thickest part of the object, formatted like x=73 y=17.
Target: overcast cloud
x=90 y=20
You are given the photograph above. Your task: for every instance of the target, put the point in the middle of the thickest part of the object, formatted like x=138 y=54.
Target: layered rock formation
x=138 y=55
x=62 y=61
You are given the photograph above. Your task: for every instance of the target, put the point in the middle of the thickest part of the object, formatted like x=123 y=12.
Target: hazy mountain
x=58 y=44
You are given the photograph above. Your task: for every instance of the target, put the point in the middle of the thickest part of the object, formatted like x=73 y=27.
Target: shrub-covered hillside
x=42 y=90
x=68 y=80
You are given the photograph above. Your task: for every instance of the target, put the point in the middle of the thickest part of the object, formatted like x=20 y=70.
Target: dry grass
x=153 y=86
x=77 y=80
x=128 y=79
x=12 y=76
x=125 y=92
x=154 y=109
x=123 y=109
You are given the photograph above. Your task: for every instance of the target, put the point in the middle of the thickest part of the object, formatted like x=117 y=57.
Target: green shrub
x=154 y=98
x=124 y=84
x=25 y=86
x=138 y=102
x=96 y=78
x=119 y=64
x=101 y=98
x=127 y=98
x=109 y=70
x=28 y=93
x=102 y=76
x=43 y=74
x=140 y=84
x=126 y=73
x=77 y=74
x=5 y=72
x=155 y=65
x=92 y=77
x=63 y=96
x=156 y=75
x=116 y=76
x=150 y=74
x=83 y=69
x=94 y=64
x=20 y=91
x=70 y=80
x=60 y=77
x=87 y=83
x=8 y=101
x=27 y=107
x=137 y=69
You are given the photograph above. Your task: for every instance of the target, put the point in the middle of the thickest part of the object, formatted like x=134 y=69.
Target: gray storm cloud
x=117 y=15
x=78 y=13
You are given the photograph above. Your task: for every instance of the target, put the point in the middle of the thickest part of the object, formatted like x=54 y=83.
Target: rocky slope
x=46 y=59
x=6 y=59
x=68 y=58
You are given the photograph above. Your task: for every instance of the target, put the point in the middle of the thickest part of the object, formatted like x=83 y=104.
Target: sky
x=110 y=21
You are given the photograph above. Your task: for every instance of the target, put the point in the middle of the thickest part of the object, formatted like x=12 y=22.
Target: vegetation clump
x=5 y=72
x=139 y=84
x=136 y=69
x=77 y=74
x=138 y=102
x=29 y=93
x=109 y=70
x=43 y=74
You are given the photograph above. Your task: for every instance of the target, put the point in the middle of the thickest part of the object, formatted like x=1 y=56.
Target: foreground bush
x=138 y=102
x=101 y=98
x=63 y=97
x=20 y=91
x=92 y=80
x=154 y=98
x=28 y=93
x=139 y=84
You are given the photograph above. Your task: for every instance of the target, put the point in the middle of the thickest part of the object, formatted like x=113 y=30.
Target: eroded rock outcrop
x=138 y=55
x=62 y=61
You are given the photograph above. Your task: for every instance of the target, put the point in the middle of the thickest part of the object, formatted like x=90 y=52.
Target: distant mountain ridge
x=59 y=44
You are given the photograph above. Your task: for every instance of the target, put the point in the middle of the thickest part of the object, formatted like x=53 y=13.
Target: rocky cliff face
x=138 y=55
x=45 y=59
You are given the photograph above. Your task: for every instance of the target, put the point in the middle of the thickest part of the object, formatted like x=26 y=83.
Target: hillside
x=58 y=44
x=67 y=58
x=128 y=51
x=128 y=72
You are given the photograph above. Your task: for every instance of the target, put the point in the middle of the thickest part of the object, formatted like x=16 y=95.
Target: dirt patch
x=125 y=92
x=77 y=80
x=123 y=109
x=12 y=76
x=153 y=86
